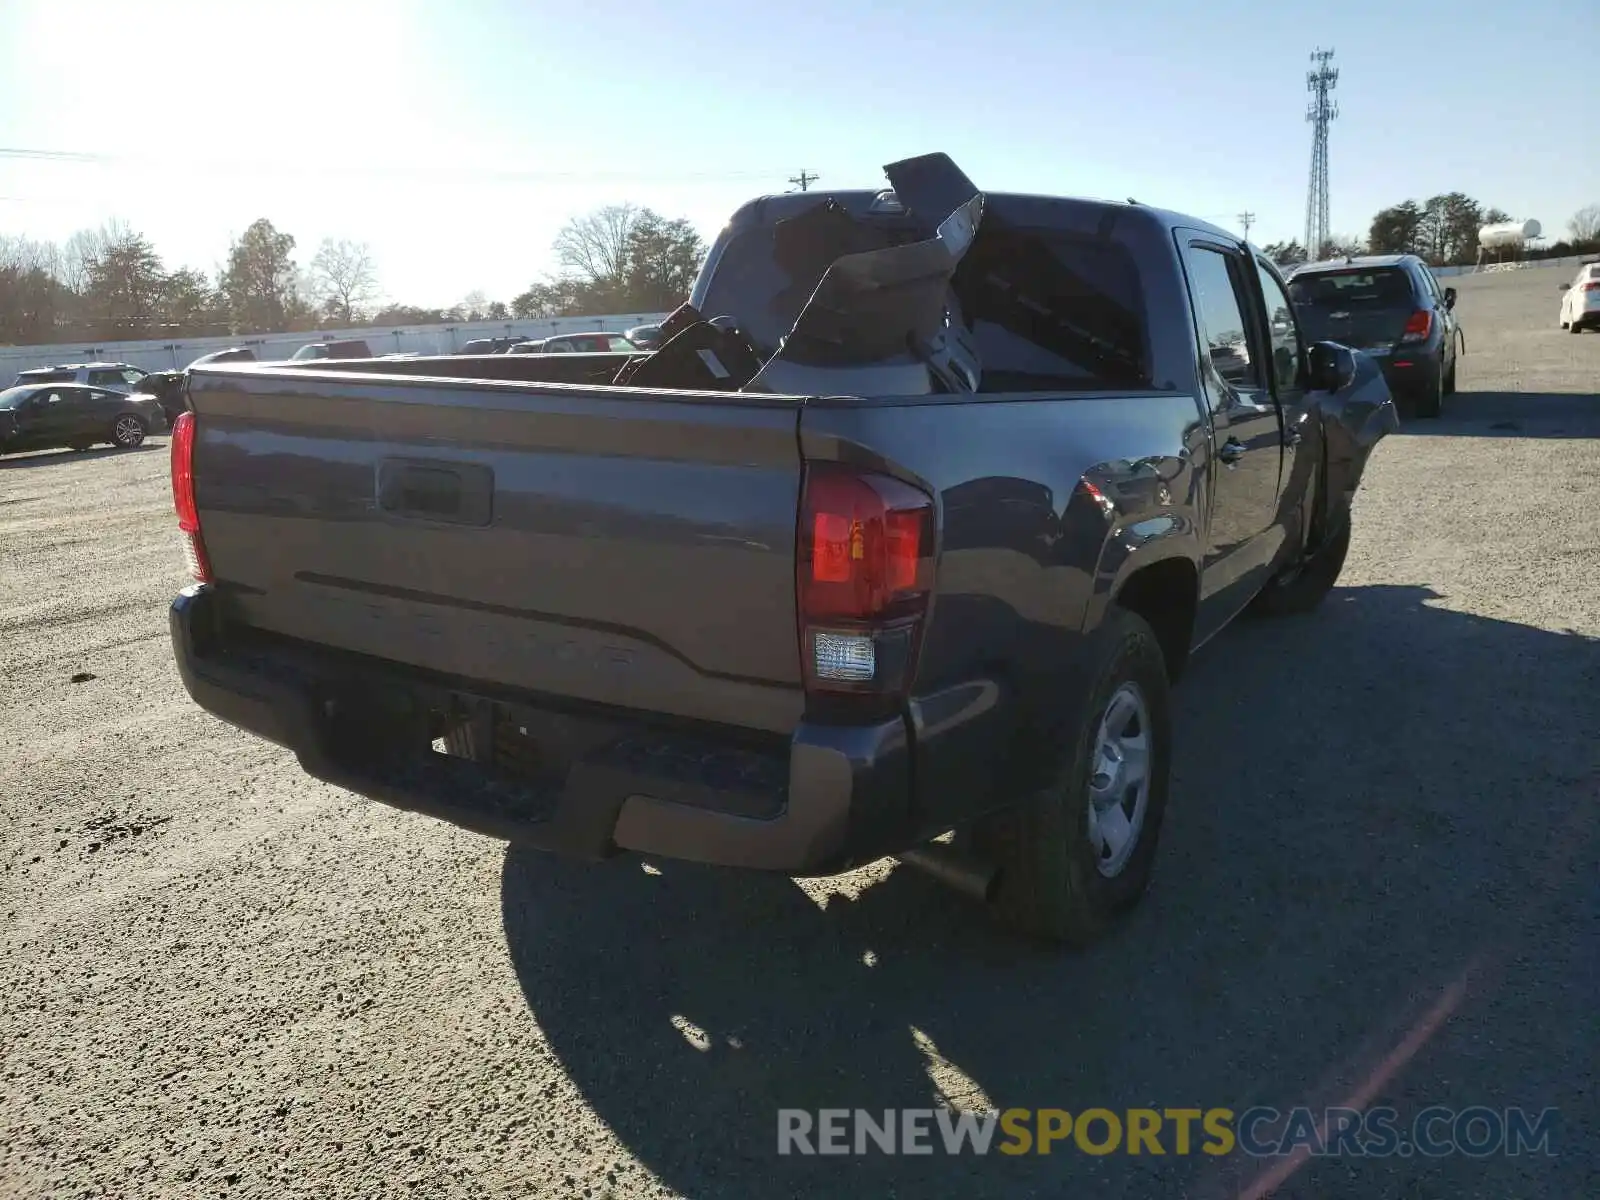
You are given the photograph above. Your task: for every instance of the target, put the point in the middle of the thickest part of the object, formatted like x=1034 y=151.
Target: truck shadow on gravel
x=1512 y=414
x=1342 y=839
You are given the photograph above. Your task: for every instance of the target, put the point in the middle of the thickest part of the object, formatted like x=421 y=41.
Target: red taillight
x=1592 y=286
x=864 y=570
x=1418 y=326
x=183 y=501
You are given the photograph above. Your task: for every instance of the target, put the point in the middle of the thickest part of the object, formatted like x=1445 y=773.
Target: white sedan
x=1580 y=306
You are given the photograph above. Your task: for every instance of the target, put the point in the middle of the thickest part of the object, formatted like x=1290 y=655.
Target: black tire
x=1304 y=584
x=1450 y=381
x=1575 y=327
x=1050 y=882
x=1429 y=402
x=128 y=432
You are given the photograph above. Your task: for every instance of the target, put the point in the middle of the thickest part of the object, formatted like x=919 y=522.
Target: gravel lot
x=1378 y=885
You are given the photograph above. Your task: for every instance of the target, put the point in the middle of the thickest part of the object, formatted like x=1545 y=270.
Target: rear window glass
x=1387 y=288
x=1052 y=311
x=1048 y=311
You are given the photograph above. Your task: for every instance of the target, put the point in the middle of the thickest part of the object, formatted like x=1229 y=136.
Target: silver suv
x=113 y=377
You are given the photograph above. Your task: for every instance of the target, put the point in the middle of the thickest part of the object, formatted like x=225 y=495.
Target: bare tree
x=344 y=278
x=82 y=251
x=1585 y=224
x=595 y=247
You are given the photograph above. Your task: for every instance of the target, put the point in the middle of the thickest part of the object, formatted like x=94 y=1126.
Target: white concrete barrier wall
x=1570 y=262
x=415 y=339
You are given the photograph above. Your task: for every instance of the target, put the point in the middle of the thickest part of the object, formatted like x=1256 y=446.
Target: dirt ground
x=1377 y=880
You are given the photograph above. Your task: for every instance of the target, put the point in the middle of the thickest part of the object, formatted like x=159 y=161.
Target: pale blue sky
x=509 y=117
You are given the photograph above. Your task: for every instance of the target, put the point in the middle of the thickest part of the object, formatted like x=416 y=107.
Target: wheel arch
x=1158 y=579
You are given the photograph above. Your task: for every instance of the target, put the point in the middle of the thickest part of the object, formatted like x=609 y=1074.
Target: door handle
x=1232 y=451
x=1292 y=438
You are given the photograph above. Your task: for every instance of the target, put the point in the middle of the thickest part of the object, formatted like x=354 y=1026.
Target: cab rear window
x=1048 y=311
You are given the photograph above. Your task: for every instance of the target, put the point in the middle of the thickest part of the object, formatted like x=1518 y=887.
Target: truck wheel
x=1303 y=584
x=1081 y=851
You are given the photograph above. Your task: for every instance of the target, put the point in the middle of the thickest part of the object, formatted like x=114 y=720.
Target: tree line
x=110 y=283
x=1442 y=230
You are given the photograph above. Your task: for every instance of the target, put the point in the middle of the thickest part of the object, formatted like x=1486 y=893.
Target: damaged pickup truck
x=925 y=498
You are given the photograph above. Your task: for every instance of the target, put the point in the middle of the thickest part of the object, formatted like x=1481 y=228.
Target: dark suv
x=1391 y=307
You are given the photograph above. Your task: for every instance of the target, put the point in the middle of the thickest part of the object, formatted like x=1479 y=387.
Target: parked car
x=586 y=343
x=911 y=536
x=491 y=345
x=349 y=348
x=166 y=388
x=646 y=337
x=231 y=354
x=115 y=377
x=1580 y=300
x=1390 y=307
x=49 y=415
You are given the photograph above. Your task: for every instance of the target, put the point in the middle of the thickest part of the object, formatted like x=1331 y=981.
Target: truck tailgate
x=626 y=548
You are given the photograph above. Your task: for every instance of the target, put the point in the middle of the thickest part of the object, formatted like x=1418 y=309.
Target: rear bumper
x=833 y=798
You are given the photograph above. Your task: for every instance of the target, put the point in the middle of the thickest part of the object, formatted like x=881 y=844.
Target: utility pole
x=1247 y=219
x=1322 y=110
x=803 y=180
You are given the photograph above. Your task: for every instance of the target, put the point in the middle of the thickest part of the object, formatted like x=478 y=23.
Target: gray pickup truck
x=903 y=531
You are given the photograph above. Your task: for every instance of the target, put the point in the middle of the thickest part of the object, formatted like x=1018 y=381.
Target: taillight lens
x=1418 y=326
x=864 y=572
x=183 y=501
x=1592 y=286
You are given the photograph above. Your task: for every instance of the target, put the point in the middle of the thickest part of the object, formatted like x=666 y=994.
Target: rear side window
x=1053 y=311
x=1221 y=300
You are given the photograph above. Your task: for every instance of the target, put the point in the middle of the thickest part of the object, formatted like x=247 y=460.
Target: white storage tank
x=1509 y=233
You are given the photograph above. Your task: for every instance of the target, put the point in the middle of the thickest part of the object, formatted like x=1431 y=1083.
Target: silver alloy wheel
x=128 y=431
x=1119 y=780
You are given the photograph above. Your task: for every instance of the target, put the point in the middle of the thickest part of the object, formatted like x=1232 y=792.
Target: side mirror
x=1332 y=367
x=1449 y=297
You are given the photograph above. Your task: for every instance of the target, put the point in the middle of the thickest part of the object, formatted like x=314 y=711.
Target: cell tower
x=1320 y=83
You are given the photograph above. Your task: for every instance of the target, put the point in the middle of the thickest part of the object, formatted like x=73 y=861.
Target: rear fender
x=1164 y=537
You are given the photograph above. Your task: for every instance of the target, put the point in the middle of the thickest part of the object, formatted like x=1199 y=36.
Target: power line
x=451 y=171
x=1247 y=219
x=803 y=181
